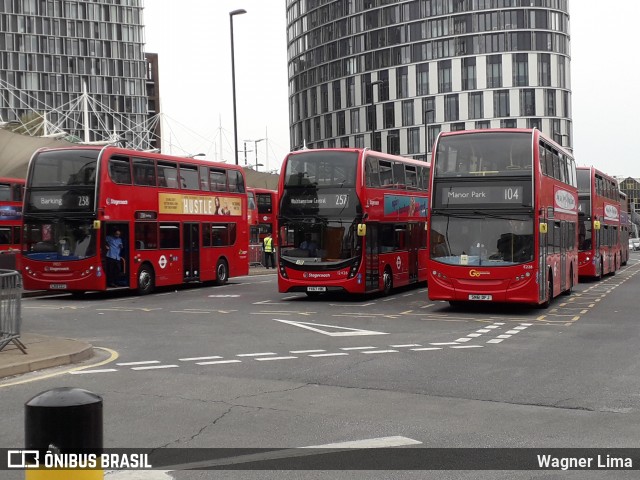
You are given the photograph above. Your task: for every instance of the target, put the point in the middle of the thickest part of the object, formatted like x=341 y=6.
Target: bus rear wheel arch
x=222 y=272
x=387 y=280
x=146 y=279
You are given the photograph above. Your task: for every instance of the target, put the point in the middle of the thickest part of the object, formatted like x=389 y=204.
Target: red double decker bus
x=181 y=219
x=599 y=223
x=11 y=194
x=351 y=220
x=263 y=218
x=503 y=218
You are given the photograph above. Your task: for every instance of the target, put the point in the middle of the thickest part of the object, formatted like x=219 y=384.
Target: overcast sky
x=192 y=39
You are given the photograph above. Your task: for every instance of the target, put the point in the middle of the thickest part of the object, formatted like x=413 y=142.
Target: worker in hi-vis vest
x=269 y=260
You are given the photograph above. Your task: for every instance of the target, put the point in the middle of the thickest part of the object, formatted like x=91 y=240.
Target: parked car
x=634 y=244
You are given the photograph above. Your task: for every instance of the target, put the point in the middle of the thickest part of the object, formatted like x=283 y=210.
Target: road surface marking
x=264 y=359
x=444 y=343
x=463 y=339
x=155 y=367
x=219 y=362
x=255 y=354
x=468 y=346
x=357 y=348
x=306 y=351
x=380 y=351
x=103 y=370
x=128 y=364
x=406 y=346
x=342 y=331
x=495 y=340
x=193 y=359
x=328 y=354
x=424 y=349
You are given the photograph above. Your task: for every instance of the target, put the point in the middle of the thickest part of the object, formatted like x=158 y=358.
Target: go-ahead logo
x=477 y=273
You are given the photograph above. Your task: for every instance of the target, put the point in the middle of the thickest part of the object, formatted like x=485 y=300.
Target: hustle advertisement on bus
x=199 y=205
x=405 y=205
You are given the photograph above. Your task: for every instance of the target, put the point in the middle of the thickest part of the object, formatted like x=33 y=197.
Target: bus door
x=372 y=275
x=564 y=240
x=413 y=245
x=543 y=271
x=191 y=251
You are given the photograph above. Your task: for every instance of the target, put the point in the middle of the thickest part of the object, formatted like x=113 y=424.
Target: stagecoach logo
x=477 y=273
x=56 y=269
x=316 y=275
x=565 y=201
x=113 y=201
x=373 y=203
x=610 y=212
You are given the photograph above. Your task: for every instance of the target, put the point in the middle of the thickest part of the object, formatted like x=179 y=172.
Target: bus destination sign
x=321 y=200
x=483 y=194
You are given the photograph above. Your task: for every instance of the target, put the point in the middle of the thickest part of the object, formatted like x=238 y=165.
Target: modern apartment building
x=401 y=71
x=81 y=64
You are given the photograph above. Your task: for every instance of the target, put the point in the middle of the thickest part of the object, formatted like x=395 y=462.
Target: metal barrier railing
x=10 y=311
x=256 y=255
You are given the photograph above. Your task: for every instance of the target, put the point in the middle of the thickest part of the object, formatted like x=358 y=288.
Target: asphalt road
x=243 y=366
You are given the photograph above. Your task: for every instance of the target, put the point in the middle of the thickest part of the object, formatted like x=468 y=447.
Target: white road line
x=406 y=346
x=328 y=354
x=474 y=335
x=381 y=442
x=192 y=359
x=265 y=359
x=380 y=351
x=526 y=324
x=503 y=336
x=484 y=330
x=444 y=343
x=104 y=370
x=219 y=362
x=424 y=349
x=520 y=328
x=128 y=364
x=306 y=351
x=468 y=346
x=512 y=332
x=463 y=339
x=495 y=340
x=357 y=348
x=255 y=354
x=492 y=326
x=156 y=367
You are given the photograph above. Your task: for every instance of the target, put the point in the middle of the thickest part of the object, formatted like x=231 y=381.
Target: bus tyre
x=146 y=280
x=387 y=280
x=547 y=302
x=222 y=272
x=570 y=289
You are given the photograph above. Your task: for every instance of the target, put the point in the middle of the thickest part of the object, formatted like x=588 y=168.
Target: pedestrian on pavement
x=114 y=246
x=269 y=259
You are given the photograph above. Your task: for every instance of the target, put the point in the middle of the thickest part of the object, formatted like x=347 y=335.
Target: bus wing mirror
x=596 y=224
x=543 y=228
x=362 y=229
x=96 y=224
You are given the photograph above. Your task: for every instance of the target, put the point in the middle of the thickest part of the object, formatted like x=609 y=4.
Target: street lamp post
x=375 y=117
x=233 y=83
x=426 y=133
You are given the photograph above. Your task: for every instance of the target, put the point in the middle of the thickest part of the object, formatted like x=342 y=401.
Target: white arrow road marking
x=345 y=332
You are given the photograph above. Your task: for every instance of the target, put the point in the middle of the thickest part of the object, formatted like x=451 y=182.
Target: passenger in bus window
x=114 y=246
x=309 y=245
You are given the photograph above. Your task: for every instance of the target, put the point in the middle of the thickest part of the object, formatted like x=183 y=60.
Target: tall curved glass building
x=392 y=74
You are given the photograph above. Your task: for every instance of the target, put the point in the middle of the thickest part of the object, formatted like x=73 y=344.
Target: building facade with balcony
x=401 y=71
x=79 y=65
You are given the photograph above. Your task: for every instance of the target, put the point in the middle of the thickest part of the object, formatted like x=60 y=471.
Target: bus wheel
x=222 y=272
x=387 y=279
x=145 y=280
x=547 y=302
x=570 y=289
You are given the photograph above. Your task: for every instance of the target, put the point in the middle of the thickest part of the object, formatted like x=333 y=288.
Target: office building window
x=469 y=73
x=328 y=126
x=444 y=76
x=389 y=115
x=520 y=69
x=456 y=127
x=355 y=120
x=337 y=95
x=544 y=69
x=476 y=109
x=407 y=113
x=413 y=140
x=351 y=92
x=393 y=142
x=527 y=102
x=402 y=82
x=429 y=110
x=422 y=79
x=550 y=103
x=494 y=71
x=501 y=103
x=341 y=123
x=508 y=123
x=324 y=98
x=451 y=112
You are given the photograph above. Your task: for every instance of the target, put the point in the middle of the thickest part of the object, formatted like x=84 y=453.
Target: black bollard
x=64 y=420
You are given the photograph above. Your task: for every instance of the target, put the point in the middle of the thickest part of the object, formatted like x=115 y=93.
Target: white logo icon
x=23 y=458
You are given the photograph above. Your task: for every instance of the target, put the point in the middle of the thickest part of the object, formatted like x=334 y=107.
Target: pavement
x=46 y=352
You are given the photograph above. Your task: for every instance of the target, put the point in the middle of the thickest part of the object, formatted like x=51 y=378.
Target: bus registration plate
x=316 y=289
x=481 y=297
x=58 y=286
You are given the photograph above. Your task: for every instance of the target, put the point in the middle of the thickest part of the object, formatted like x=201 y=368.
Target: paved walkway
x=46 y=352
